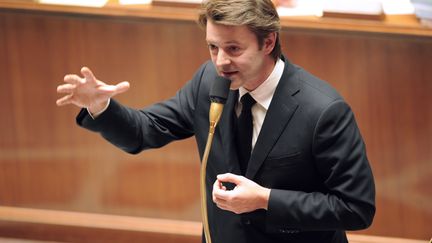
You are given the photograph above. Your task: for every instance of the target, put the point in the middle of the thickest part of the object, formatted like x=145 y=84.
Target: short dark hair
x=260 y=16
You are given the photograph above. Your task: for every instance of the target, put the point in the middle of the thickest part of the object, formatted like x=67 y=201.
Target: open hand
x=88 y=92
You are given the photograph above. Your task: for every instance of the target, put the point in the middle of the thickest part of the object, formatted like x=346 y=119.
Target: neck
x=268 y=67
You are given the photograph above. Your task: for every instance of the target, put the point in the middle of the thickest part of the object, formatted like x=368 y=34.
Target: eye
x=212 y=47
x=233 y=50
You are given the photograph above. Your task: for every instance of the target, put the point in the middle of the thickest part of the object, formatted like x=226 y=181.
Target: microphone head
x=220 y=90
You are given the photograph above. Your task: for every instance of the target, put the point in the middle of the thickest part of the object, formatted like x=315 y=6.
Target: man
x=306 y=177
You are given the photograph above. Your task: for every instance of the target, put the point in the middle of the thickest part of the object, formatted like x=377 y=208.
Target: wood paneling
x=46 y=161
x=39 y=138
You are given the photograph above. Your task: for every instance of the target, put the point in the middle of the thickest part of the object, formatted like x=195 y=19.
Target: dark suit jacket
x=309 y=152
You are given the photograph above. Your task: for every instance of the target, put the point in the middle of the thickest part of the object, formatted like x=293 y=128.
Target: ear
x=270 y=42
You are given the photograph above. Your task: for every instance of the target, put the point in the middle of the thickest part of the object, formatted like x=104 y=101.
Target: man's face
x=236 y=55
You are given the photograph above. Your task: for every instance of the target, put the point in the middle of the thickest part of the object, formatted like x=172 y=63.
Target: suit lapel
x=278 y=115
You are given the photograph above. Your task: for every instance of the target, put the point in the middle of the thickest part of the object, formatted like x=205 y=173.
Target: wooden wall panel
x=39 y=138
x=46 y=161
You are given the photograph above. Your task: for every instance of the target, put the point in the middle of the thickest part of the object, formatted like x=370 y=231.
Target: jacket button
x=247 y=222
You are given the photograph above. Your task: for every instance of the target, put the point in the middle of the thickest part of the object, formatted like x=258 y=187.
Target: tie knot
x=247 y=101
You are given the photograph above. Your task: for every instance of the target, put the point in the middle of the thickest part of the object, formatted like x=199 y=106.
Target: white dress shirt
x=263 y=96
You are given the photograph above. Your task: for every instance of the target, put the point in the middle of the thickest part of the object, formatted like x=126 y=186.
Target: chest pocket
x=289 y=171
x=291 y=159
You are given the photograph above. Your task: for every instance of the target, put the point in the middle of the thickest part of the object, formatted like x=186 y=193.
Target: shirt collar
x=263 y=94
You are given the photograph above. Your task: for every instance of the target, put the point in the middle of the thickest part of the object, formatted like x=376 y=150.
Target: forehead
x=218 y=33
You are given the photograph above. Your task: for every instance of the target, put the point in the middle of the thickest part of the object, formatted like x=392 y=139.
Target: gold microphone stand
x=214 y=116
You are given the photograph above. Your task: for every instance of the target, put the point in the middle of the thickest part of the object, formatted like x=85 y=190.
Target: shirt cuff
x=95 y=115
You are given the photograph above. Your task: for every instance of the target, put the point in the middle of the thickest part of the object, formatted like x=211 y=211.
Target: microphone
x=220 y=90
x=218 y=96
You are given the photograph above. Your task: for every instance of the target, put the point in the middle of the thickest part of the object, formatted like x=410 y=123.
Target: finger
x=122 y=87
x=220 y=194
x=223 y=206
x=65 y=100
x=114 y=89
x=221 y=202
x=228 y=177
x=221 y=186
x=88 y=74
x=108 y=88
x=72 y=79
x=215 y=187
x=66 y=88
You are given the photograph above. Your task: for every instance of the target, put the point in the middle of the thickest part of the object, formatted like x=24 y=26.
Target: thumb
x=115 y=89
x=228 y=177
x=122 y=87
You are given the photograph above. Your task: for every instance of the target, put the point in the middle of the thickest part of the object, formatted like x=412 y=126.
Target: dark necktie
x=244 y=132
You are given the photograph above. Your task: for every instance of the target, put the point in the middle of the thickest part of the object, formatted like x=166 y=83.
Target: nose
x=222 y=58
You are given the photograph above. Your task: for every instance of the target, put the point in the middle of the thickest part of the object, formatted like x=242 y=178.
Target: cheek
x=213 y=58
x=247 y=61
x=245 y=68
x=255 y=64
x=214 y=64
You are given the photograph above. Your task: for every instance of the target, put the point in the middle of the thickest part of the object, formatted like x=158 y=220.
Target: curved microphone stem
x=203 y=189
x=215 y=113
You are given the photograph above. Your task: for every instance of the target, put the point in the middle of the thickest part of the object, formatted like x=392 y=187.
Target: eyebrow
x=225 y=43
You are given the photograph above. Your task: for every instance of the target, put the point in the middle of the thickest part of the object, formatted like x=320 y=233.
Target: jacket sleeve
x=340 y=157
x=135 y=130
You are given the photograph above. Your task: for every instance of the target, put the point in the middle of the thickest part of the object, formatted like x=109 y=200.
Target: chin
x=235 y=85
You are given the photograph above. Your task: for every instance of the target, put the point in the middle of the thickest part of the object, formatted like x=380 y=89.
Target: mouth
x=227 y=74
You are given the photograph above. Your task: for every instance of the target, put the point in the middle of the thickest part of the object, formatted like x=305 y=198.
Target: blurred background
x=377 y=54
